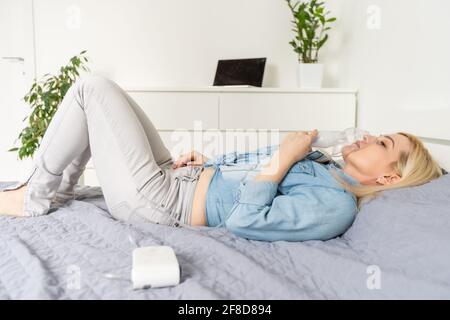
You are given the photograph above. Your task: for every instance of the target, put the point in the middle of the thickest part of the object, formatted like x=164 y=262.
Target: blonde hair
x=415 y=168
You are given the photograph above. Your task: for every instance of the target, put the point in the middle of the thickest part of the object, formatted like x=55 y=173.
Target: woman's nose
x=369 y=138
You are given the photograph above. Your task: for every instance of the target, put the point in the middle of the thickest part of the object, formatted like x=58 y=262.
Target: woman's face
x=371 y=160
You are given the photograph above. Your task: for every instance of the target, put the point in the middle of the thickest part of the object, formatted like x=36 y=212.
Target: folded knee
x=89 y=86
x=91 y=82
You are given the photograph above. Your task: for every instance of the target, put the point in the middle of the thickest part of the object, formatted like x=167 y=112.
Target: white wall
x=15 y=77
x=165 y=43
x=400 y=64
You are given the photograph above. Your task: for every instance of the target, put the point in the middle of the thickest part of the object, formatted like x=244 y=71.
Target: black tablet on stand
x=240 y=72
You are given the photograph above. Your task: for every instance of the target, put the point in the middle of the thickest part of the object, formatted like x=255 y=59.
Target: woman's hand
x=296 y=145
x=192 y=158
x=294 y=148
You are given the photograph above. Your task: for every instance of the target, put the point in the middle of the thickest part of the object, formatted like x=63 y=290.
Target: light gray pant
x=132 y=164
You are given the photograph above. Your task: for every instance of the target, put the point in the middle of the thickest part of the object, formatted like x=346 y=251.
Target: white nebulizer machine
x=153 y=266
x=336 y=140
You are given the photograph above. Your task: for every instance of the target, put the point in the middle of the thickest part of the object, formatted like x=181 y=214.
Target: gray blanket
x=397 y=248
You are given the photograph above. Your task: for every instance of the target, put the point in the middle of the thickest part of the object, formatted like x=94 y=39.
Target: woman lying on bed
x=274 y=193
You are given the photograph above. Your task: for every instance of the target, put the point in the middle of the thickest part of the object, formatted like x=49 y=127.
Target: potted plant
x=311 y=23
x=44 y=98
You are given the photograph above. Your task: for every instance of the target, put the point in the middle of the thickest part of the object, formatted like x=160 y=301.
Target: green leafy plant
x=310 y=25
x=44 y=98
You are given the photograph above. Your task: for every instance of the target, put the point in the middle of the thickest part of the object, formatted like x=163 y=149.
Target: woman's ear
x=388 y=179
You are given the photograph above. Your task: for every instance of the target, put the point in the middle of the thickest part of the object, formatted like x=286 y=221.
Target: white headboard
x=440 y=149
x=430 y=122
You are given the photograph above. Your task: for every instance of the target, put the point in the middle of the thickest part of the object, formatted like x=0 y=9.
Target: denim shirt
x=308 y=204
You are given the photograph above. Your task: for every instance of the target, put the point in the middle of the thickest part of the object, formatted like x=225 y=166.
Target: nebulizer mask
x=335 y=141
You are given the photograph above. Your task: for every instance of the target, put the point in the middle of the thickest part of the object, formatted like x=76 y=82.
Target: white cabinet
x=178 y=110
x=218 y=120
x=287 y=111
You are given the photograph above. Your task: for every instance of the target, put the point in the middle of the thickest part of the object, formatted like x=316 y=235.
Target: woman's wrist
x=276 y=169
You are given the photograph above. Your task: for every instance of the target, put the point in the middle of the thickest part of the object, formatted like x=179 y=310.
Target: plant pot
x=310 y=75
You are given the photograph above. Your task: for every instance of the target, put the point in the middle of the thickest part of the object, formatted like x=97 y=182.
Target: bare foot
x=12 y=201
